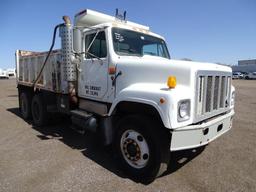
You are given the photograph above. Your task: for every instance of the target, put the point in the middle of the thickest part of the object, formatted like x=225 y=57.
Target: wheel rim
x=134 y=149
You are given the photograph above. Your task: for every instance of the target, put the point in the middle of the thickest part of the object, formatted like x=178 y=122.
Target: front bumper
x=193 y=136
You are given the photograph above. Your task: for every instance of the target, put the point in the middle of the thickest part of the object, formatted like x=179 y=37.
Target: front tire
x=39 y=111
x=142 y=147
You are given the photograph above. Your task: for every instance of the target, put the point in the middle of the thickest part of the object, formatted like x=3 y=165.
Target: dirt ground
x=55 y=158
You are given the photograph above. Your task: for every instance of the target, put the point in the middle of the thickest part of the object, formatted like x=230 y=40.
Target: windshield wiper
x=129 y=51
x=150 y=53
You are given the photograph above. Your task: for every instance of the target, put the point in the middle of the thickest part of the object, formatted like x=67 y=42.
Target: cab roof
x=93 y=19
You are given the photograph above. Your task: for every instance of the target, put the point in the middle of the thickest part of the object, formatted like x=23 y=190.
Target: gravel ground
x=55 y=158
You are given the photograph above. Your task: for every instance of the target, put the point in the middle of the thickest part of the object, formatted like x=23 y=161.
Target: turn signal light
x=171 y=82
x=162 y=100
x=111 y=70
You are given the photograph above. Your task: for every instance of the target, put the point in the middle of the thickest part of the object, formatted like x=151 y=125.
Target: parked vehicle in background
x=236 y=75
x=250 y=75
x=11 y=73
x=241 y=75
x=116 y=78
x=3 y=74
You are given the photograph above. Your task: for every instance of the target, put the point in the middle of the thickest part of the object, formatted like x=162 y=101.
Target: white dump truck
x=116 y=78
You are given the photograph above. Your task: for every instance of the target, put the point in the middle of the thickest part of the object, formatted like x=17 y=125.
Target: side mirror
x=77 y=37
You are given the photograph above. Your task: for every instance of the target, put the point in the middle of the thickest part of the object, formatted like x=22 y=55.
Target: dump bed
x=29 y=64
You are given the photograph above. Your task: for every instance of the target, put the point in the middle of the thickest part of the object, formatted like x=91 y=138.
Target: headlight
x=184 y=110
x=232 y=102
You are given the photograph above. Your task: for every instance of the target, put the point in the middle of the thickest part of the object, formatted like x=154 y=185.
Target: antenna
x=121 y=16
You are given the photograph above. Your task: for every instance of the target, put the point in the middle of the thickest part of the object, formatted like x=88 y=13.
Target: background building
x=245 y=66
x=247 y=62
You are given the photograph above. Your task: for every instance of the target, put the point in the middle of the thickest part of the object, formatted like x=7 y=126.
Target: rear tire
x=142 y=147
x=25 y=105
x=39 y=111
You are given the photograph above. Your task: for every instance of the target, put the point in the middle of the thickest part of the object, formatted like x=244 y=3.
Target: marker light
x=162 y=100
x=171 y=82
x=111 y=70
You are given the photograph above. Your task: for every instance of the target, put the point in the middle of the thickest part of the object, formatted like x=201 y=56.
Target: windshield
x=127 y=42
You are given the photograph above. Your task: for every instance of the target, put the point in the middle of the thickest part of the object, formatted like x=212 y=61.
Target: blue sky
x=203 y=30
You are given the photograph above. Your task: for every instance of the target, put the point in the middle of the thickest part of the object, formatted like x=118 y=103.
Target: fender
x=146 y=94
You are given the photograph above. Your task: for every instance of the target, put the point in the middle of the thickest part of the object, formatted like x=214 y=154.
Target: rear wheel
x=25 y=105
x=142 y=148
x=39 y=111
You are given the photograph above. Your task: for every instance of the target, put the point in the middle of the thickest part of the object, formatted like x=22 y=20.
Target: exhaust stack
x=68 y=69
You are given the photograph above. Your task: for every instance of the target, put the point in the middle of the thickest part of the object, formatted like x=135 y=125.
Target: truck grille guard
x=212 y=94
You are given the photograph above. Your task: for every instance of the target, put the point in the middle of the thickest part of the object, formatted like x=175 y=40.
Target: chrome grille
x=213 y=93
x=216 y=92
x=208 y=94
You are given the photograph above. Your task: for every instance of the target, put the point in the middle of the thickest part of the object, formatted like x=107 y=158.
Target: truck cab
x=128 y=63
x=128 y=88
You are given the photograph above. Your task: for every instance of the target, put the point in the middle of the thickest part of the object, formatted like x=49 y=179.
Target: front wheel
x=142 y=147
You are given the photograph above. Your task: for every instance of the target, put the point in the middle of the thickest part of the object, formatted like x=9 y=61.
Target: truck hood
x=145 y=79
x=151 y=69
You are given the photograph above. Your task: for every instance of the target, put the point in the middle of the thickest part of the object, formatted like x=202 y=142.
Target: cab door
x=92 y=78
